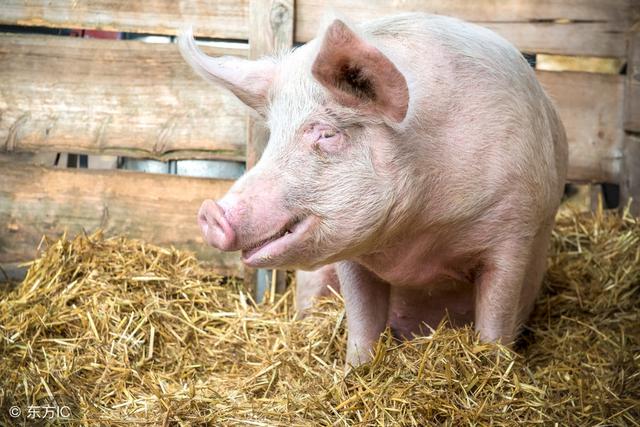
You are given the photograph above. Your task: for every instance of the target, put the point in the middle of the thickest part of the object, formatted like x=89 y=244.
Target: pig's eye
x=329 y=133
x=324 y=138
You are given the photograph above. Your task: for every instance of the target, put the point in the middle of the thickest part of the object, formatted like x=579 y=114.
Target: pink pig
x=416 y=152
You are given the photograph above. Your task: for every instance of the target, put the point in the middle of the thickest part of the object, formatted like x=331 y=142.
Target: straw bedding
x=125 y=333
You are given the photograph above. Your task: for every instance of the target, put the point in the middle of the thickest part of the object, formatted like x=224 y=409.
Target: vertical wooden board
x=630 y=182
x=270 y=31
x=210 y=18
x=630 y=179
x=632 y=90
x=160 y=209
x=270 y=26
x=591 y=109
x=257 y=137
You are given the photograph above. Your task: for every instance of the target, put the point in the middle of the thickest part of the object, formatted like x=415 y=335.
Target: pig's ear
x=248 y=80
x=358 y=75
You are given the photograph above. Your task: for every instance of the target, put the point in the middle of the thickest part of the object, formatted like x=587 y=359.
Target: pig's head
x=326 y=185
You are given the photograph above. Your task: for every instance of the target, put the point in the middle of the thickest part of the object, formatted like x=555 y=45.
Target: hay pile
x=125 y=333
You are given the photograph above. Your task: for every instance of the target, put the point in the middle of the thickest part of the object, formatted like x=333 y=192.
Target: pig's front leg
x=366 y=299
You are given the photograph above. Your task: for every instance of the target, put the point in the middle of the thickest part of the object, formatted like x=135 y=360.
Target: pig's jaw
x=278 y=248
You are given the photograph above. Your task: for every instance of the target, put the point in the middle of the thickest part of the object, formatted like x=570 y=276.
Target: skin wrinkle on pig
x=451 y=207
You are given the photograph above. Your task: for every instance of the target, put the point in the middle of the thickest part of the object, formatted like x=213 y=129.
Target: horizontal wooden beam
x=65 y=94
x=591 y=109
x=211 y=18
x=579 y=27
x=578 y=38
x=161 y=209
x=580 y=64
x=134 y=99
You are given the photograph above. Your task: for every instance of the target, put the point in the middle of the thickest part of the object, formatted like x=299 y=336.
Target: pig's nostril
x=202 y=222
x=215 y=228
x=202 y=218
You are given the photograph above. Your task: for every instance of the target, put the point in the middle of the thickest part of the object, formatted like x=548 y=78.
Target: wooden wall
x=128 y=98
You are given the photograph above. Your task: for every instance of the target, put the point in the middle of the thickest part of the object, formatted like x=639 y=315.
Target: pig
x=417 y=155
x=311 y=285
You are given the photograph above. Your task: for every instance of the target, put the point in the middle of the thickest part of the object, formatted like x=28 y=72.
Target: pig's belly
x=410 y=308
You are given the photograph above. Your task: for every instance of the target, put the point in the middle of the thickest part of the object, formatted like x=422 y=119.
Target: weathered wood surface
x=270 y=31
x=632 y=95
x=578 y=27
x=211 y=18
x=161 y=209
x=113 y=97
x=630 y=182
x=580 y=64
x=142 y=100
x=591 y=108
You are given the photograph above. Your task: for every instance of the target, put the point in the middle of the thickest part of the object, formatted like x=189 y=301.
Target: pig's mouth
x=268 y=251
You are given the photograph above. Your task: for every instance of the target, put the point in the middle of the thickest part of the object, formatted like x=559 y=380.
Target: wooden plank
x=119 y=97
x=630 y=182
x=632 y=90
x=38 y=159
x=579 y=27
x=271 y=28
x=210 y=18
x=113 y=97
x=591 y=108
x=622 y=11
x=595 y=27
x=584 y=64
x=577 y=38
x=160 y=209
x=271 y=31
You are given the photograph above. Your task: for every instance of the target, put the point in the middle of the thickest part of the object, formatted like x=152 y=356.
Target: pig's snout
x=215 y=227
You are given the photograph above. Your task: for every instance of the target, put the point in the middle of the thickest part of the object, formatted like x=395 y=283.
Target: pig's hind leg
x=506 y=288
x=311 y=285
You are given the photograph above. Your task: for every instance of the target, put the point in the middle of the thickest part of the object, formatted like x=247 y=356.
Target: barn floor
x=118 y=332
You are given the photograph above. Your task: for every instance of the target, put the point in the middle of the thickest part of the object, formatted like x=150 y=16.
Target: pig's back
x=495 y=124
